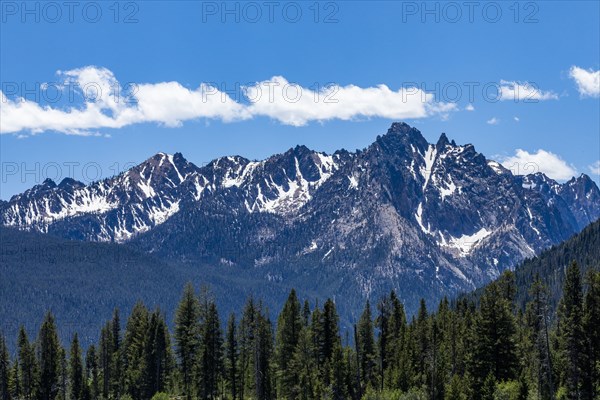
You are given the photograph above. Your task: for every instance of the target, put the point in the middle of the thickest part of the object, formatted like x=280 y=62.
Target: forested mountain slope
x=550 y=265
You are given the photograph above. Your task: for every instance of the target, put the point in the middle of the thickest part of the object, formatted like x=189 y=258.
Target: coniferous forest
x=471 y=348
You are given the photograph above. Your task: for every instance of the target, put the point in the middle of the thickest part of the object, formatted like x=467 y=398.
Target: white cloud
x=595 y=168
x=171 y=104
x=588 y=81
x=295 y=105
x=516 y=119
x=523 y=163
x=470 y=107
x=493 y=121
x=104 y=105
x=523 y=92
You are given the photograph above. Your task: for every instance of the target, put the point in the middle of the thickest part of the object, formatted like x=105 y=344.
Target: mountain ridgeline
x=426 y=220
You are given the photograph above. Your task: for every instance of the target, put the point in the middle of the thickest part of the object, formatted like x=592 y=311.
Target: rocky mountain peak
x=442 y=142
x=400 y=128
x=39 y=189
x=70 y=184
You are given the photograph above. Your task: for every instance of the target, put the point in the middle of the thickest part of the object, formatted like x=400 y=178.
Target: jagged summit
x=70 y=183
x=39 y=189
x=582 y=179
x=48 y=183
x=400 y=127
x=443 y=141
x=300 y=149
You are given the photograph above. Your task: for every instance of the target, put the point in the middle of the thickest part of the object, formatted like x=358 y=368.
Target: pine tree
x=422 y=351
x=247 y=339
x=211 y=365
x=303 y=363
x=4 y=369
x=106 y=356
x=507 y=288
x=467 y=313
x=494 y=350
x=306 y=313
x=15 y=381
x=324 y=328
x=317 y=335
x=352 y=375
x=28 y=366
x=339 y=378
x=116 y=359
x=591 y=326
x=445 y=346
x=92 y=373
x=232 y=358
x=571 y=331
x=49 y=359
x=366 y=348
x=397 y=364
x=382 y=322
x=76 y=370
x=256 y=352
x=134 y=345
x=187 y=338
x=435 y=364
x=63 y=376
x=289 y=325
x=331 y=331
x=263 y=352
x=537 y=322
x=157 y=356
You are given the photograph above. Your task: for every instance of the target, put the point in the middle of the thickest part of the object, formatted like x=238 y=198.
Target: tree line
x=467 y=349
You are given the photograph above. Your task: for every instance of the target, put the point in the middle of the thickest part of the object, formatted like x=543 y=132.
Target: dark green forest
x=466 y=349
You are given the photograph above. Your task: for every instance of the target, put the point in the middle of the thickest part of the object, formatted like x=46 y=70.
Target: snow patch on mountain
x=419 y=217
x=496 y=166
x=449 y=189
x=429 y=159
x=353 y=182
x=465 y=243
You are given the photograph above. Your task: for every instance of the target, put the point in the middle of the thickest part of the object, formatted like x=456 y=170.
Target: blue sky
x=543 y=57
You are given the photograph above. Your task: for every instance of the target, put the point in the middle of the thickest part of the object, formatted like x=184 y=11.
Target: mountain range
x=425 y=219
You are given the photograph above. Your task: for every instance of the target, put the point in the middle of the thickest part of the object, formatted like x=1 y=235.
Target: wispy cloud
x=294 y=105
x=588 y=81
x=470 y=107
x=595 y=168
x=523 y=163
x=171 y=104
x=493 y=121
x=523 y=92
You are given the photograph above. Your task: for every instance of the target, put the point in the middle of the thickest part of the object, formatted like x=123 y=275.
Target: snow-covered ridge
x=150 y=193
x=142 y=196
x=447 y=191
x=264 y=194
x=53 y=206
